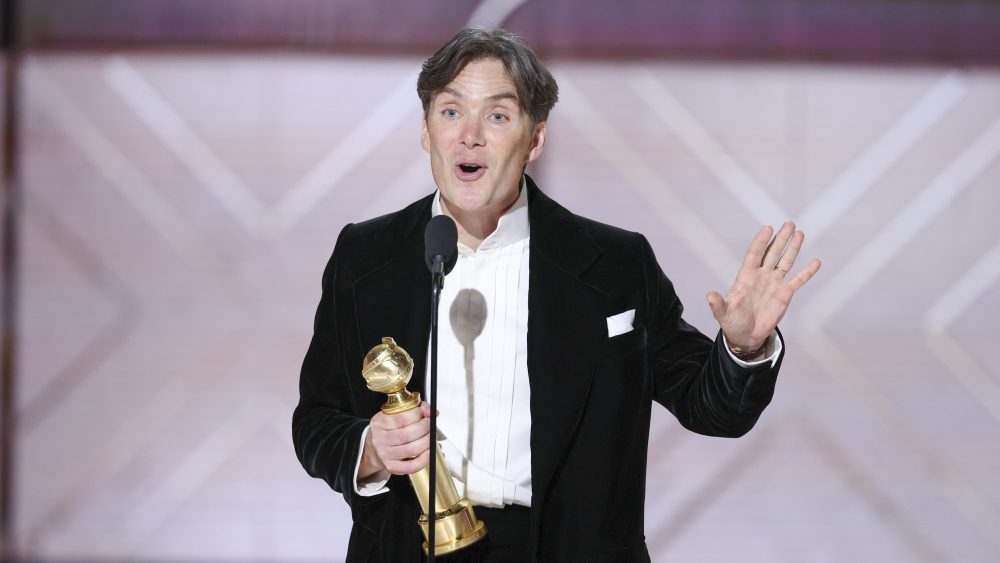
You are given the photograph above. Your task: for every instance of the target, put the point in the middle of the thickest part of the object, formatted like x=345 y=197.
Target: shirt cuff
x=772 y=344
x=373 y=484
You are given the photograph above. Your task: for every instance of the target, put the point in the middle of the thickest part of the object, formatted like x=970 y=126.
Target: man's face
x=479 y=139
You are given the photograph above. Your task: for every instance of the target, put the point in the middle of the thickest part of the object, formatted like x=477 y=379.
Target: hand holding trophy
x=387 y=369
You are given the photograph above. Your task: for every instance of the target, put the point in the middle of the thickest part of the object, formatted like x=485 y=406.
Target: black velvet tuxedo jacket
x=590 y=394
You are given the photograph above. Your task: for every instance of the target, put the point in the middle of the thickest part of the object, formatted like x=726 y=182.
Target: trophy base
x=454 y=528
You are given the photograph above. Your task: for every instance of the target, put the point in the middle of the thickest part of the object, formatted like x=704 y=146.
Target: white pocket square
x=620 y=323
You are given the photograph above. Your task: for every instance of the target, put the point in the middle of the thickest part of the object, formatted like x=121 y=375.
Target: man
x=557 y=334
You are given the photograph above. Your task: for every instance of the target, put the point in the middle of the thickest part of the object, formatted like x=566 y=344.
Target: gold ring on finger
x=783 y=272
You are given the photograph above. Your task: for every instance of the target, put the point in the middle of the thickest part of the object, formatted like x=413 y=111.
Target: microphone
x=441 y=244
x=440 y=254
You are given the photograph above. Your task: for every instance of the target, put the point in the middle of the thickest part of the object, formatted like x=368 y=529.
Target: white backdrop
x=179 y=209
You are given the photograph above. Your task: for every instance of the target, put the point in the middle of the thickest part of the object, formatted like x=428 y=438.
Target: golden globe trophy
x=387 y=369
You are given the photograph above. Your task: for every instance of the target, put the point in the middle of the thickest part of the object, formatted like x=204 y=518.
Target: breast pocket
x=620 y=380
x=625 y=344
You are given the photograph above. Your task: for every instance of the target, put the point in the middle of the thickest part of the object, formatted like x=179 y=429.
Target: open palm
x=760 y=296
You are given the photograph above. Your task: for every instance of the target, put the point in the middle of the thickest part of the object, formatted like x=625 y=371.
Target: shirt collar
x=512 y=227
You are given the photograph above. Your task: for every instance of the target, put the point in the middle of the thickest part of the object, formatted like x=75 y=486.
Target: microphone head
x=441 y=239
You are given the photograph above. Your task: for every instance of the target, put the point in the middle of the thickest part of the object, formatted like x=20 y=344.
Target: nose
x=472 y=133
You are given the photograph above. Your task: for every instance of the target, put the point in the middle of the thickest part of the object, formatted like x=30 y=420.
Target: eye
x=497 y=117
x=450 y=113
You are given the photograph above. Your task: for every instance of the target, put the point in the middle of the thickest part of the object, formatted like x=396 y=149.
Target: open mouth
x=469 y=171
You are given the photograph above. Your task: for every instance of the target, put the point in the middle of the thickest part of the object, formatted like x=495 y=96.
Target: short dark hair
x=537 y=90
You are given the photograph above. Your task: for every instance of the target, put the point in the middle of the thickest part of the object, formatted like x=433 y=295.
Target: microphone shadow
x=468 y=317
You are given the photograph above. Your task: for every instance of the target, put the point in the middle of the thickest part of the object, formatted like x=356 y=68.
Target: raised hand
x=759 y=297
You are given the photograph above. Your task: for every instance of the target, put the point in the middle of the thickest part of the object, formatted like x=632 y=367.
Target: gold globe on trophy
x=387 y=369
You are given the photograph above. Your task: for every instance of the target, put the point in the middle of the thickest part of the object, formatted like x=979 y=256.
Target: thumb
x=717 y=304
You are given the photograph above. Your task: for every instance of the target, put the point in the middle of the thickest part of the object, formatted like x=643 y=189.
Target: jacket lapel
x=564 y=334
x=392 y=298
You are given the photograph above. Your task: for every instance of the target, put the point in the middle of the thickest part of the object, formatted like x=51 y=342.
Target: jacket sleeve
x=326 y=429
x=694 y=376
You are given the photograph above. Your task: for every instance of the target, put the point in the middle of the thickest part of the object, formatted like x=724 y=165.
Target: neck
x=474 y=226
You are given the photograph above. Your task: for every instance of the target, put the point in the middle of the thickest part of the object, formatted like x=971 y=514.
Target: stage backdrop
x=178 y=210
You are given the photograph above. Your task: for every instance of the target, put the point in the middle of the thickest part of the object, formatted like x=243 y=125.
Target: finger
x=398 y=420
x=788 y=258
x=409 y=466
x=402 y=452
x=410 y=450
x=777 y=246
x=806 y=274
x=755 y=252
x=417 y=431
x=717 y=304
x=404 y=435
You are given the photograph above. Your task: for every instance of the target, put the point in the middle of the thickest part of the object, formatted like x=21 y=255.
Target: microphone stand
x=437 y=283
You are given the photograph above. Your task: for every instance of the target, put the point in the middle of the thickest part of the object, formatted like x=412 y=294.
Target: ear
x=425 y=139
x=537 y=142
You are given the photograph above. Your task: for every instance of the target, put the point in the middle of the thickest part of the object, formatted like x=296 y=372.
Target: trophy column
x=387 y=369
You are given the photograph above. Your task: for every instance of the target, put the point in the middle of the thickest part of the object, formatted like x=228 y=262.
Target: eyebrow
x=492 y=99
x=504 y=96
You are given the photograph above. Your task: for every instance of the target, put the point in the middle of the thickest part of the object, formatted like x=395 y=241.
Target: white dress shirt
x=484 y=425
x=483 y=365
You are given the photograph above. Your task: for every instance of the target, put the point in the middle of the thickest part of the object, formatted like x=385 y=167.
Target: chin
x=468 y=197
x=471 y=204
